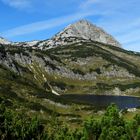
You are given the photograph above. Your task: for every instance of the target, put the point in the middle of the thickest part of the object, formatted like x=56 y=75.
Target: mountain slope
x=86 y=30
x=4 y=41
x=32 y=76
x=85 y=66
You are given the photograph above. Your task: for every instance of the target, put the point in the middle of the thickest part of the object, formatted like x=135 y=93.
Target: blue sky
x=23 y=20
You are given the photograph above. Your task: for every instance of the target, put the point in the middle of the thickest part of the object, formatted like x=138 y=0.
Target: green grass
x=28 y=89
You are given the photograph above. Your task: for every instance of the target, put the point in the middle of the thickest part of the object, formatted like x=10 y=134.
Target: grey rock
x=4 y=41
x=77 y=32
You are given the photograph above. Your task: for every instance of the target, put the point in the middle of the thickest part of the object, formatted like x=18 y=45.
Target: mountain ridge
x=4 y=41
x=81 y=30
x=88 y=31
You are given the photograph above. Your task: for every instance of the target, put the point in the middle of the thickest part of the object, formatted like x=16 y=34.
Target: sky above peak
x=24 y=20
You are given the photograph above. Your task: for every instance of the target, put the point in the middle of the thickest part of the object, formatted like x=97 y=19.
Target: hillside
x=33 y=77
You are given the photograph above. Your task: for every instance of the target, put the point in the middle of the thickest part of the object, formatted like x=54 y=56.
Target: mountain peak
x=86 y=30
x=83 y=21
x=81 y=30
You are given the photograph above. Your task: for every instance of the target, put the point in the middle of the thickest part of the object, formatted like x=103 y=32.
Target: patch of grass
x=77 y=71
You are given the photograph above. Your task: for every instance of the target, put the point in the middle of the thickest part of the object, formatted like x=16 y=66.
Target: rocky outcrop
x=4 y=41
x=77 y=32
x=31 y=44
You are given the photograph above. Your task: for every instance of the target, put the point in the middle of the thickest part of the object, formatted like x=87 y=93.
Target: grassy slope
x=101 y=57
x=27 y=92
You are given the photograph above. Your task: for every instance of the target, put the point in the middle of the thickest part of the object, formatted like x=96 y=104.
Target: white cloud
x=129 y=38
x=43 y=25
x=86 y=4
x=20 y=4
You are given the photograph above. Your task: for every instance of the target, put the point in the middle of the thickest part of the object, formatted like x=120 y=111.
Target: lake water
x=101 y=101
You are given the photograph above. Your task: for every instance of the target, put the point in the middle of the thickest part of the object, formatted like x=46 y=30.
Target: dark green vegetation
x=31 y=79
x=86 y=67
x=96 y=64
x=112 y=126
x=28 y=77
x=14 y=125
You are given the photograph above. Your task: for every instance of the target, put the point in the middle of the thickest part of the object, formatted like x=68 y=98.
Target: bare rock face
x=81 y=30
x=4 y=41
x=31 y=44
x=86 y=30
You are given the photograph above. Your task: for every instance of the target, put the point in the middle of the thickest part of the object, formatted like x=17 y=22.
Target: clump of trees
x=17 y=126
x=112 y=126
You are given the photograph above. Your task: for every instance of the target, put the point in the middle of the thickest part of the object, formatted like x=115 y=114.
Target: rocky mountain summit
x=81 y=31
